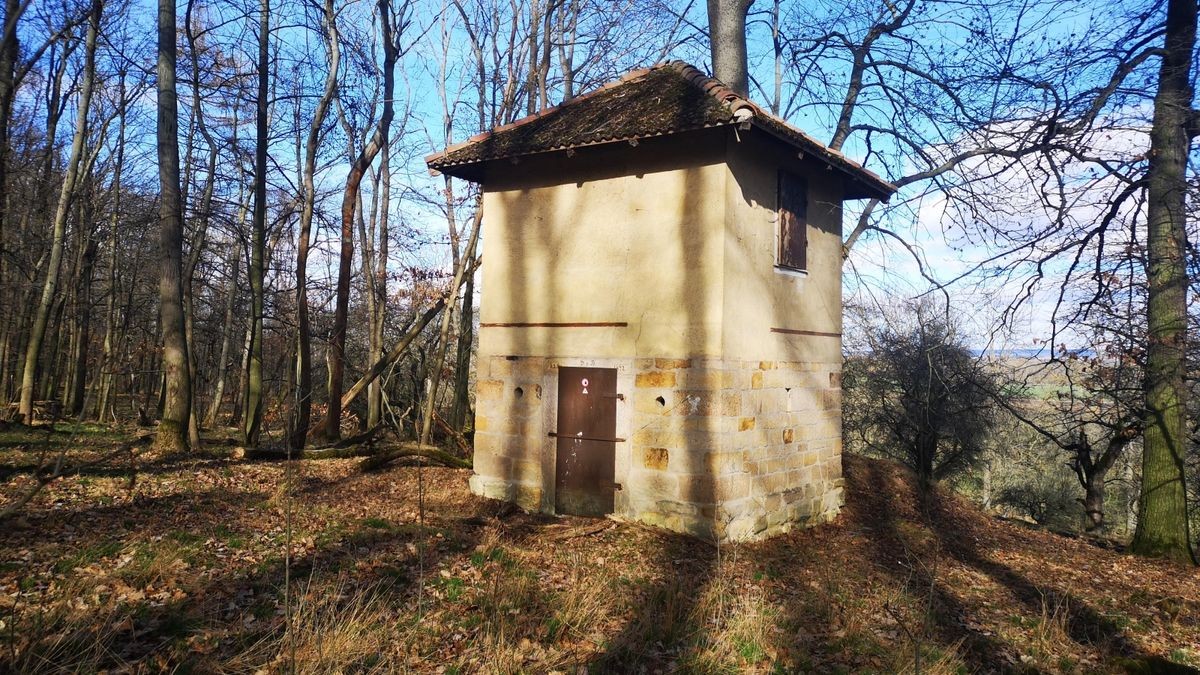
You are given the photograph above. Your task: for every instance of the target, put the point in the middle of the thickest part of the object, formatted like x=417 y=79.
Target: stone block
x=733 y=487
x=645 y=401
x=698 y=378
x=703 y=528
x=756 y=380
x=672 y=364
x=528 y=497
x=527 y=471
x=666 y=521
x=696 y=403
x=529 y=368
x=489 y=390
x=746 y=424
x=731 y=403
x=698 y=488
x=789 y=435
x=492 y=465
x=653 y=485
x=655 y=458
x=831 y=398
x=720 y=463
x=655 y=379
x=660 y=438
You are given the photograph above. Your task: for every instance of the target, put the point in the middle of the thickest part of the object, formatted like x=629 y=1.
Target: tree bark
x=38 y=331
x=465 y=263
x=172 y=429
x=107 y=362
x=1162 y=528
x=302 y=411
x=252 y=422
x=727 y=34
x=330 y=429
x=9 y=53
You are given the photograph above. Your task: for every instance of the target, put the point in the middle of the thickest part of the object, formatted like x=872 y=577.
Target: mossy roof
x=669 y=98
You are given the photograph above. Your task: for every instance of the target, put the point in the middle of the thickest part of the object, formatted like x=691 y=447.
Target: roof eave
x=873 y=186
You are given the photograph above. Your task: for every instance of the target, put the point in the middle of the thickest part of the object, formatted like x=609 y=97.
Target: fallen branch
x=43 y=478
x=396 y=352
x=391 y=453
x=331 y=452
x=365 y=438
x=586 y=531
x=454 y=434
x=355 y=446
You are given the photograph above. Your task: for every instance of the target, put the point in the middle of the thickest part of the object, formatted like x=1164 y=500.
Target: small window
x=793 y=221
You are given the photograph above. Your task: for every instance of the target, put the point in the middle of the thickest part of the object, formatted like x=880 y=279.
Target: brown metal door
x=587 y=427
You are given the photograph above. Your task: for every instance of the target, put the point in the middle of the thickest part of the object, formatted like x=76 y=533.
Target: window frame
x=790 y=220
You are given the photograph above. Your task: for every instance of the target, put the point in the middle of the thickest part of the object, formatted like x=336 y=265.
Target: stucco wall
x=598 y=241
x=759 y=295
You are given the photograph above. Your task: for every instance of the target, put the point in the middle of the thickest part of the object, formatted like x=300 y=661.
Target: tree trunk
x=1093 y=504
x=727 y=33
x=462 y=368
x=303 y=405
x=38 y=331
x=9 y=53
x=172 y=429
x=110 y=304
x=83 y=304
x=330 y=429
x=252 y=422
x=465 y=263
x=1162 y=528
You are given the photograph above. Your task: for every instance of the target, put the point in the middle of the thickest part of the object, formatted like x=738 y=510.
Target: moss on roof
x=669 y=98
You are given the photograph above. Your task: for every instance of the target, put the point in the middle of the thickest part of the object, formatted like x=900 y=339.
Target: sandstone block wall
x=728 y=450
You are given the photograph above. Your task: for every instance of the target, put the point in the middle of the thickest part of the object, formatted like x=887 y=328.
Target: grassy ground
x=182 y=568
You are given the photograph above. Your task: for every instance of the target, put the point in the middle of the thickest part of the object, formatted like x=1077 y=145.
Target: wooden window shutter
x=793 y=221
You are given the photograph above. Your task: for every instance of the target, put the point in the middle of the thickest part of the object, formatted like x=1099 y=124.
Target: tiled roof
x=668 y=98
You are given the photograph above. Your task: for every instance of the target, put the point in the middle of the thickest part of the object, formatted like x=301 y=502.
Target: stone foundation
x=725 y=450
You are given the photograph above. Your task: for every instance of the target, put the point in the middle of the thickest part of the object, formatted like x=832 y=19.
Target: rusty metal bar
x=793 y=331
x=569 y=324
x=554 y=434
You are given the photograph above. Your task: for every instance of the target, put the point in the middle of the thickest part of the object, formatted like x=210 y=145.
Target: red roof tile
x=668 y=98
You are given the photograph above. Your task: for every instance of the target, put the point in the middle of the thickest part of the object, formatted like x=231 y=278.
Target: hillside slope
x=185 y=567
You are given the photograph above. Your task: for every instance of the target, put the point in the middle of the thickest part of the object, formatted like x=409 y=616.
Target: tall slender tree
x=727 y=37
x=252 y=423
x=302 y=408
x=177 y=403
x=41 y=318
x=330 y=428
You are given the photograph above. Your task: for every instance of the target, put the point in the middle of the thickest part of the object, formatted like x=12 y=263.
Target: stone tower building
x=660 y=326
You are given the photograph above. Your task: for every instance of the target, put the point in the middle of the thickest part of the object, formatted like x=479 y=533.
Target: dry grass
x=186 y=573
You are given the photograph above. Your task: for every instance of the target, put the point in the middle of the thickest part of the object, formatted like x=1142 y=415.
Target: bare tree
x=66 y=194
x=303 y=403
x=330 y=429
x=252 y=423
x=172 y=430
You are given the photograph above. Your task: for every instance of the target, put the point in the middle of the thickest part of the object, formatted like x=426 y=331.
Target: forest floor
x=183 y=568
